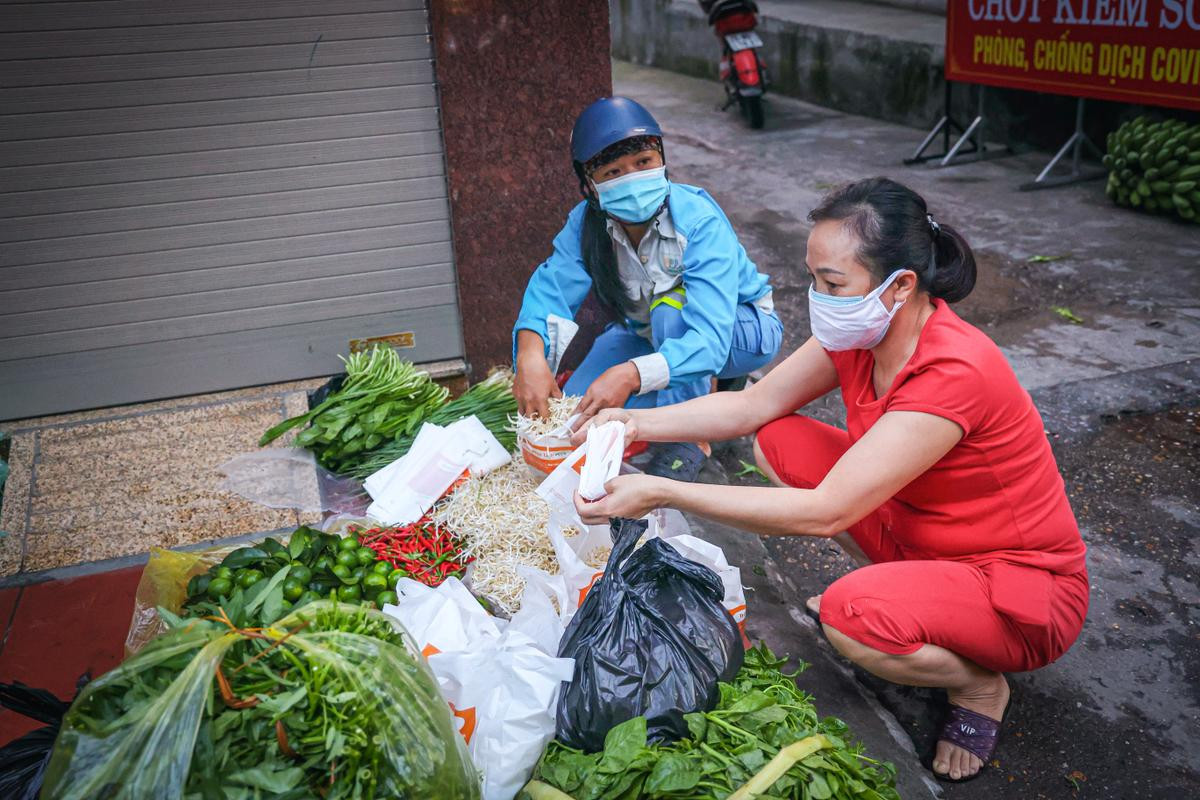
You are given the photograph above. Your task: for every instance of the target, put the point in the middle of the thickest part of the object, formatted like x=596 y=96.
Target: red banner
x=1134 y=51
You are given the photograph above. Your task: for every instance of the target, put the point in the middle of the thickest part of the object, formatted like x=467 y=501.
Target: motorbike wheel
x=752 y=110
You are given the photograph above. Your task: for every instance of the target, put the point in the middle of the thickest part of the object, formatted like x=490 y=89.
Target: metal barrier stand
x=969 y=143
x=1078 y=142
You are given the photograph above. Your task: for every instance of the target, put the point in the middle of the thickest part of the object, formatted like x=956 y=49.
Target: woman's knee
x=850 y=607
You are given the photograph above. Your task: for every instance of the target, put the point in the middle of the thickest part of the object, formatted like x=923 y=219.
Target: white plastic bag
x=604 y=447
x=500 y=678
x=408 y=487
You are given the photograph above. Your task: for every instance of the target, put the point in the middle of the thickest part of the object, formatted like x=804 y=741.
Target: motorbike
x=742 y=70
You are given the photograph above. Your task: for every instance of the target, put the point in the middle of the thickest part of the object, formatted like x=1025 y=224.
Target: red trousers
x=899 y=603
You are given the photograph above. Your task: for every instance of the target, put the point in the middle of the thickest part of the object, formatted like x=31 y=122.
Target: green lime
x=320 y=587
x=248 y=577
x=292 y=588
x=395 y=575
x=348 y=545
x=356 y=574
x=373 y=583
x=349 y=593
x=366 y=556
x=300 y=572
x=223 y=572
x=341 y=572
x=323 y=564
x=219 y=587
x=348 y=558
x=307 y=598
x=382 y=567
x=385 y=597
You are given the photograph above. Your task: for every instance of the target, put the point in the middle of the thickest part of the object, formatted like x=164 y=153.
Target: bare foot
x=989 y=698
x=813 y=604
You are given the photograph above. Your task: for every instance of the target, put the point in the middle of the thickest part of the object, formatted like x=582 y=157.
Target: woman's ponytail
x=954 y=272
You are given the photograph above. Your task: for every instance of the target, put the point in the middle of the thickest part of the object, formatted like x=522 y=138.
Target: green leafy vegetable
x=751 y=469
x=763 y=740
x=383 y=397
x=1067 y=314
x=490 y=400
x=331 y=702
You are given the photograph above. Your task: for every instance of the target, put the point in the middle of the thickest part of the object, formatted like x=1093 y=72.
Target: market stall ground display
x=372 y=416
x=764 y=739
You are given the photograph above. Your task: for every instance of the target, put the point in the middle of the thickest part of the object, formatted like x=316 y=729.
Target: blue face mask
x=636 y=196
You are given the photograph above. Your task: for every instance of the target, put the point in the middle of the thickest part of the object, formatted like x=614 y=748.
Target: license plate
x=743 y=41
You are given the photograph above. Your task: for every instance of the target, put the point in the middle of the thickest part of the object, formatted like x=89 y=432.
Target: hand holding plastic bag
x=652 y=639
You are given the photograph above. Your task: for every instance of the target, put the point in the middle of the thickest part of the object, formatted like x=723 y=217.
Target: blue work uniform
x=699 y=306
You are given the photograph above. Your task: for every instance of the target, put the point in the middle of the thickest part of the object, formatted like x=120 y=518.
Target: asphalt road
x=1119 y=715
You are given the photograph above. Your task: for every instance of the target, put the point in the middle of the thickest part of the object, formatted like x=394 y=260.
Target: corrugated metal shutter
x=203 y=194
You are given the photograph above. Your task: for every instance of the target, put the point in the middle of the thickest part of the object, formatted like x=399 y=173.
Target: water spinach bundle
x=382 y=398
x=763 y=740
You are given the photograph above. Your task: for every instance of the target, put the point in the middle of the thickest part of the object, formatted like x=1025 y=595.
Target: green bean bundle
x=383 y=398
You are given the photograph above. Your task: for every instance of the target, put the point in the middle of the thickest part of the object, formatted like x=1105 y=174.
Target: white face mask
x=851 y=323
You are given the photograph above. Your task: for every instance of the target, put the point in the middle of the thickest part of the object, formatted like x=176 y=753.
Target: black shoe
x=680 y=461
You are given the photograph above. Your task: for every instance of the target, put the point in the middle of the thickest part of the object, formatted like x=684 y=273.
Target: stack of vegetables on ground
x=422 y=551
x=764 y=739
x=1156 y=166
x=373 y=418
x=490 y=400
x=329 y=702
x=258 y=584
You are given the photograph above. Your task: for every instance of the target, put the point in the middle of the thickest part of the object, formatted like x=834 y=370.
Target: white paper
x=605 y=445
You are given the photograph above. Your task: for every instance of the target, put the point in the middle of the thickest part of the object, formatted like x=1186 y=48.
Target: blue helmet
x=606 y=122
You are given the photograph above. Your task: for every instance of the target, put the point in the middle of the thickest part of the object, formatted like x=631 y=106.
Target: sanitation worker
x=688 y=305
x=943 y=485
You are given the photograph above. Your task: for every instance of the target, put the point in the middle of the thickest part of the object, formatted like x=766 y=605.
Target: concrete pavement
x=1119 y=715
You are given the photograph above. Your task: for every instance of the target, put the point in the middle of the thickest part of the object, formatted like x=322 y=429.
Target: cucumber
x=1135 y=199
x=1161 y=187
x=1188 y=173
x=1170 y=168
x=1194 y=196
x=1183 y=187
x=1153 y=174
x=1181 y=202
x=1143 y=188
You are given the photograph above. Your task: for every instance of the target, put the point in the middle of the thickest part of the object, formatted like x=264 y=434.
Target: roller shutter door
x=197 y=195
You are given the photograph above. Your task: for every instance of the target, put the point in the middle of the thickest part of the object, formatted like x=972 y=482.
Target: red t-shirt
x=997 y=495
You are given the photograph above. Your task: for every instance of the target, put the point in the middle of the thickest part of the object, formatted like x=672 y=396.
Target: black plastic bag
x=23 y=761
x=652 y=639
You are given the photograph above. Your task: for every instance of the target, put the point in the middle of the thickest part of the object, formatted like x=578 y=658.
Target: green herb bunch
x=764 y=739
x=330 y=702
x=491 y=400
x=382 y=398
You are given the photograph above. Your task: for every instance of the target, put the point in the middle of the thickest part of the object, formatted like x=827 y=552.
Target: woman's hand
x=629 y=496
x=611 y=390
x=534 y=385
x=607 y=415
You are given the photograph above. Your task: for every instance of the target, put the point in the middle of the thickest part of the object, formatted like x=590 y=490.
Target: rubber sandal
x=973 y=732
x=680 y=461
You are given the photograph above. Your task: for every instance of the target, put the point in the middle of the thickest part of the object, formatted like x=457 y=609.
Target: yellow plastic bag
x=164 y=583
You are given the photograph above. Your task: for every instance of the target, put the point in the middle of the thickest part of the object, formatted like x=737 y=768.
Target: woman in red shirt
x=943 y=484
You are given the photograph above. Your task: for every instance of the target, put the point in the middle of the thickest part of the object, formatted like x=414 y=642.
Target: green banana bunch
x=1155 y=166
x=383 y=398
